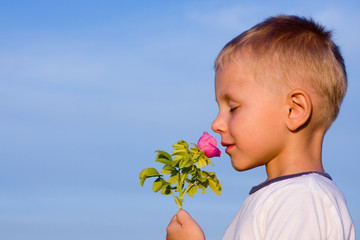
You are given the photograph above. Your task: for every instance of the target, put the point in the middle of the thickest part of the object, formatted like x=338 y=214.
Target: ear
x=299 y=109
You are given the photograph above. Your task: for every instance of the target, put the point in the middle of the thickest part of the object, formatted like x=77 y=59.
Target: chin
x=241 y=165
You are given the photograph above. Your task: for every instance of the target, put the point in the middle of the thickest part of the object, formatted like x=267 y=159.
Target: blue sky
x=90 y=89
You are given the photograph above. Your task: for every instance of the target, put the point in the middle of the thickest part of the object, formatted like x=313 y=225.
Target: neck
x=302 y=154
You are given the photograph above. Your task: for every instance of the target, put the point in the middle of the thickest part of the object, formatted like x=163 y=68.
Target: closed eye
x=233 y=109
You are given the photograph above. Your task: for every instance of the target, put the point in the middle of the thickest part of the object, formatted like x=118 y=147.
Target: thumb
x=184 y=227
x=183 y=217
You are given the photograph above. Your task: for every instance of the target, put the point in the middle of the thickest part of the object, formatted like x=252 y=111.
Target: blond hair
x=294 y=52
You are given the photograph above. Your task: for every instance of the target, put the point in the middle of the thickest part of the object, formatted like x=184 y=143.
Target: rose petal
x=208 y=143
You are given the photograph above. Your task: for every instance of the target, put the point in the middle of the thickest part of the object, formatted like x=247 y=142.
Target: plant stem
x=178 y=203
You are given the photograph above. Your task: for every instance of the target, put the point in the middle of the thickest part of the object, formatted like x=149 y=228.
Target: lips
x=228 y=146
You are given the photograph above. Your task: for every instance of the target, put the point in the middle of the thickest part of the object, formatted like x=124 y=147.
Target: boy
x=279 y=87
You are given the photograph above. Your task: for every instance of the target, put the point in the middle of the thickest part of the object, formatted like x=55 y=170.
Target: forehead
x=239 y=63
x=239 y=81
x=231 y=82
x=232 y=75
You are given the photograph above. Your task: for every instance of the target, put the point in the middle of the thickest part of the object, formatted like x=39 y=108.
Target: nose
x=218 y=125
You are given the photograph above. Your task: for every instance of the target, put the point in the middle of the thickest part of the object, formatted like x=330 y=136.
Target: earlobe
x=299 y=109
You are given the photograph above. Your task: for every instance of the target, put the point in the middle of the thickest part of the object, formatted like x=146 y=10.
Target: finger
x=183 y=217
x=173 y=220
x=173 y=226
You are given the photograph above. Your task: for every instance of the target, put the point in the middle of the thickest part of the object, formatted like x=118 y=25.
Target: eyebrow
x=226 y=97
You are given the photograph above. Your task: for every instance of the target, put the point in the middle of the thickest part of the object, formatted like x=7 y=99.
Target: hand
x=183 y=227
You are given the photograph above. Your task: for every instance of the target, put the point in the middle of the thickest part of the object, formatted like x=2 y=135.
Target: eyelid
x=233 y=108
x=233 y=105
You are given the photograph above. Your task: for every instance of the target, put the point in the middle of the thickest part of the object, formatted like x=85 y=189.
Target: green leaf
x=202 y=177
x=213 y=182
x=163 y=154
x=177 y=159
x=190 y=181
x=202 y=185
x=142 y=180
x=203 y=161
x=196 y=156
x=183 y=167
x=149 y=172
x=166 y=190
x=191 y=190
x=181 y=145
x=195 y=148
x=173 y=179
x=215 y=186
x=207 y=174
x=146 y=173
x=178 y=146
x=164 y=161
x=194 y=171
x=167 y=169
x=185 y=163
x=158 y=184
x=180 y=152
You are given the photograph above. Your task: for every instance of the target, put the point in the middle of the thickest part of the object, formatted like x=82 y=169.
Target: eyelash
x=233 y=109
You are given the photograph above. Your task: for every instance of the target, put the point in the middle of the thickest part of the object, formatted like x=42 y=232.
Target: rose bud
x=207 y=143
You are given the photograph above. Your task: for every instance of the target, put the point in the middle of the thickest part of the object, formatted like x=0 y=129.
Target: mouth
x=228 y=146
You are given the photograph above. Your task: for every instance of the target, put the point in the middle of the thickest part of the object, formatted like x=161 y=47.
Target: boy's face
x=250 y=118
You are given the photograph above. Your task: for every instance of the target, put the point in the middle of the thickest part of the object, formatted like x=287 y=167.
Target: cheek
x=253 y=127
x=241 y=127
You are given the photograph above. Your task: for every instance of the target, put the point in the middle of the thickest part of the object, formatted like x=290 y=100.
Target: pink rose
x=207 y=143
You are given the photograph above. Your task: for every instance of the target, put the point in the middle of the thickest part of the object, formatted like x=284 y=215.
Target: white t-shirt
x=300 y=206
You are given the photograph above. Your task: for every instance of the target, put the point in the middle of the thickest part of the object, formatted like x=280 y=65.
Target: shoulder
x=310 y=184
x=311 y=204
x=311 y=191
x=303 y=207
